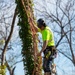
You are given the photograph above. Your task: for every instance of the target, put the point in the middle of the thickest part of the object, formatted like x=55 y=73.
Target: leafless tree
x=7 y=22
x=60 y=16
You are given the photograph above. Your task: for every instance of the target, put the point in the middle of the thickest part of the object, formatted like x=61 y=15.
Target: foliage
x=2 y=42
x=2 y=69
x=26 y=37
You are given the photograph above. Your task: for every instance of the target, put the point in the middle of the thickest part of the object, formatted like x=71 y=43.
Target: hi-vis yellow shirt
x=47 y=34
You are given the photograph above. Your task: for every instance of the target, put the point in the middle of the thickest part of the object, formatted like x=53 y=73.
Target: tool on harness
x=47 y=55
x=50 y=54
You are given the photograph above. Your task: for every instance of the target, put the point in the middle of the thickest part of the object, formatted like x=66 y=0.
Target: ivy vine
x=26 y=38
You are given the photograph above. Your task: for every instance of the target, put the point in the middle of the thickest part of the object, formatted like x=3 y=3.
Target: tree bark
x=29 y=11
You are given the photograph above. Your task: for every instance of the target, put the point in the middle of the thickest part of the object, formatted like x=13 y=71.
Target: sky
x=60 y=60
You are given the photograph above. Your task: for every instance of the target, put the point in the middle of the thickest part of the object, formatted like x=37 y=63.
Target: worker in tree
x=48 y=47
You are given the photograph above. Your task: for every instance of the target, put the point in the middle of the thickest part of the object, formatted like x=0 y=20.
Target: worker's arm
x=46 y=36
x=45 y=43
x=36 y=28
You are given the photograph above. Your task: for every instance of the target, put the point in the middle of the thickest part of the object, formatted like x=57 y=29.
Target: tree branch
x=9 y=37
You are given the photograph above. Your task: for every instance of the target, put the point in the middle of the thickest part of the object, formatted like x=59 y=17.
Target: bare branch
x=9 y=37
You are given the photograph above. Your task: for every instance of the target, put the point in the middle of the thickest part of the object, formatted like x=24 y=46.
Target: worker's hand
x=39 y=54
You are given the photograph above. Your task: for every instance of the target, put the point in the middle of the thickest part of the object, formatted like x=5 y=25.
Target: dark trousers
x=48 y=57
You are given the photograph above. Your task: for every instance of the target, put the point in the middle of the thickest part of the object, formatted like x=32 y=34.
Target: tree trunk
x=29 y=11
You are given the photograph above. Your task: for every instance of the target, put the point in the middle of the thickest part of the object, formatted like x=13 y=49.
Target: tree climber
x=48 y=47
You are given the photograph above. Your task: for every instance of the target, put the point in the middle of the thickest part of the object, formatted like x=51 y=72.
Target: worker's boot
x=53 y=68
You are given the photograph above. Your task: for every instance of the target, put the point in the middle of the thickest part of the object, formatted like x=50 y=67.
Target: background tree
x=7 y=22
x=60 y=16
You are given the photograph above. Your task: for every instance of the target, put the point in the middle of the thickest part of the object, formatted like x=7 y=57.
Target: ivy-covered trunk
x=32 y=64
